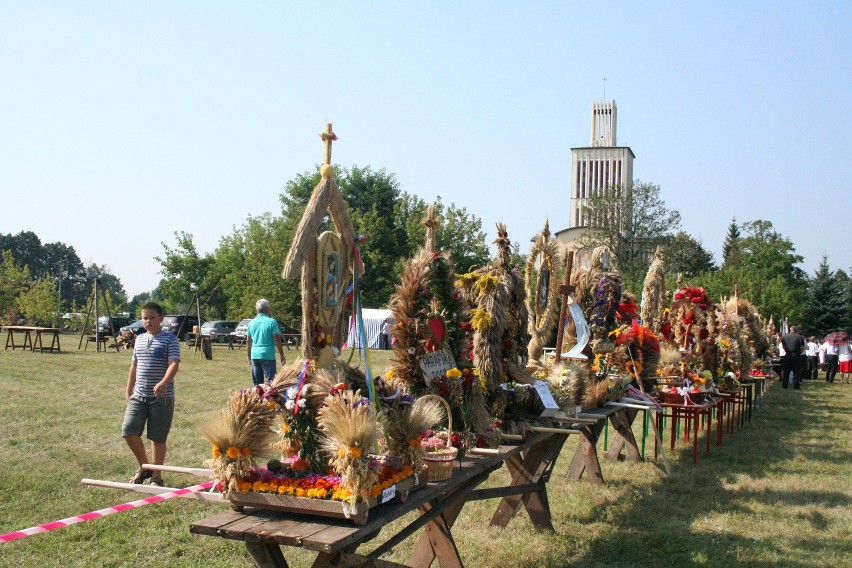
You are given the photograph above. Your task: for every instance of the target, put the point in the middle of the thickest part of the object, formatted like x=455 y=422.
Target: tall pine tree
x=825 y=304
x=731 y=249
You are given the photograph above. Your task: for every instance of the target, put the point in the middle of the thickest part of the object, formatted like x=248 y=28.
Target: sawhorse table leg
x=533 y=468
x=622 y=422
x=586 y=456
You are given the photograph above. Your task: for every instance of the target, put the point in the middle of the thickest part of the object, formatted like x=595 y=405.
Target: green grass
x=776 y=493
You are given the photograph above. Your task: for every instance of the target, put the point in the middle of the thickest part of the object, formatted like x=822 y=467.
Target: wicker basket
x=441 y=462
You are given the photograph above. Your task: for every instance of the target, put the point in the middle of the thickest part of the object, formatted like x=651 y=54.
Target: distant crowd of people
x=802 y=358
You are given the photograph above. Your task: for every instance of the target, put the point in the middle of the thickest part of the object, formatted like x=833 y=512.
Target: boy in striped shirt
x=150 y=392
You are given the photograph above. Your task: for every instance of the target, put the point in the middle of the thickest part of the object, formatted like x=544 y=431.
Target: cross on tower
x=328 y=137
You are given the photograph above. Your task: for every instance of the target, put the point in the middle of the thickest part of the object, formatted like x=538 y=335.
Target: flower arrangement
x=568 y=383
x=277 y=478
x=430 y=316
x=464 y=390
x=350 y=424
x=404 y=419
x=636 y=353
x=500 y=333
x=239 y=434
x=607 y=296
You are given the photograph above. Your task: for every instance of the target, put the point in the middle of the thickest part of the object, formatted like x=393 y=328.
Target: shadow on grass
x=699 y=516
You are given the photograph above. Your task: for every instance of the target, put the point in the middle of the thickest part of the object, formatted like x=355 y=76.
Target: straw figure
x=240 y=434
x=733 y=354
x=428 y=312
x=541 y=291
x=499 y=330
x=654 y=293
x=324 y=262
x=752 y=323
x=598 y=291
x=350 y=427
x=693 y=327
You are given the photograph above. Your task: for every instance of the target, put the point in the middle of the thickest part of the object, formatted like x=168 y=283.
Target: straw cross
x=328 y=136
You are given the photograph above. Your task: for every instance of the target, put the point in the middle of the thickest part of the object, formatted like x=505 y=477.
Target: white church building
x=596 y=168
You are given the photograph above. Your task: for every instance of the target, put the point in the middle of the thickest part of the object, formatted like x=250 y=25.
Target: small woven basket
x=441 y=462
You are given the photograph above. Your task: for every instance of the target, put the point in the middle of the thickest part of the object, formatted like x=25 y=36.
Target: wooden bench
x=32 y=338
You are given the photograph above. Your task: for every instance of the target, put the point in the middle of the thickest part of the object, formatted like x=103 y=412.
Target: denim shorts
x=156 y=411
x=262 y=370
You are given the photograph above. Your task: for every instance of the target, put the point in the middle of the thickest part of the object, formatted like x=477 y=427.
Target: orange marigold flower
x=233 y=452
x=300 y=492
x=312 y=493
x=246 y=452
x=322 y=493
x=414 y=443
x=355 y=452
x=282 y=489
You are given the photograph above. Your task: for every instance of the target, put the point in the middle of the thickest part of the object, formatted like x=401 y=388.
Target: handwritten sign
x=388 y=494
x=435 y=364
x=550 y=406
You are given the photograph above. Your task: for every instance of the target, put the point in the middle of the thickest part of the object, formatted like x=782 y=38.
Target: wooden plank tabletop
x=329 y=535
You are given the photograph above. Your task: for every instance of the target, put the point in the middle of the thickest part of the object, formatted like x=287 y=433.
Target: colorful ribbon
x=8 y=537
x=360 y=320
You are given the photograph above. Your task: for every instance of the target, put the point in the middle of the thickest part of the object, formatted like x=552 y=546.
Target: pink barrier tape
x=8 y=537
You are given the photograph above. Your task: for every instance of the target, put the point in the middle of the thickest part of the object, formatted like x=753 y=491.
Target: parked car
x=242 y=328
x=218 y=330
x=136 y=327
x=106 y=326
x=180 y=325
x=290 y=335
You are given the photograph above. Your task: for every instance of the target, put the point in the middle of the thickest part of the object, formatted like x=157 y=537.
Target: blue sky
x=141 y=119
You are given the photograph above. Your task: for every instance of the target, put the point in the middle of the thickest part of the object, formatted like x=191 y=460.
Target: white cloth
x=812 y=349
x=845 y=352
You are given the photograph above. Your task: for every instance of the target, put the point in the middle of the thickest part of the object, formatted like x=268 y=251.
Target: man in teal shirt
x=262 y=340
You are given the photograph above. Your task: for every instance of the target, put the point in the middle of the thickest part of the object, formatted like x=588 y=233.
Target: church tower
x=599 y=166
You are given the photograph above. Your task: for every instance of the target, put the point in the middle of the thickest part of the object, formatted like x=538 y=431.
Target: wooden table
x=32 y=339
x=585 y=458
x=439 y=503
x=692 y=417
x=622 y=421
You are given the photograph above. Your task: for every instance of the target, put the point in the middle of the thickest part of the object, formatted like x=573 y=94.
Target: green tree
x=766 y=273
x=458 y=231
x=185 y=272
x=825 y=304
x=684 y=254
x=632 y=222
x=38 y=302
x=14 y=278
x=247 y=266
x=390 y=221
x=731 y=253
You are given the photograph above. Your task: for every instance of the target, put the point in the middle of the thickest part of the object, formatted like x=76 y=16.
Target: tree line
x=41 y=281
x=758 y=262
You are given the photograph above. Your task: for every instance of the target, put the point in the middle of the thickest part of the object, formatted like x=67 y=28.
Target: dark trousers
x=813 y=367
x=831 y=362
x=790 y=370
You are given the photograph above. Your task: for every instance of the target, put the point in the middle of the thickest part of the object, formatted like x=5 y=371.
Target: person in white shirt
x=812 y=351
x=832 y=356
x=845 y=359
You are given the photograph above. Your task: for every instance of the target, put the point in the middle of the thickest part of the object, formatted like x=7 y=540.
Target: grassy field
x=776 y=493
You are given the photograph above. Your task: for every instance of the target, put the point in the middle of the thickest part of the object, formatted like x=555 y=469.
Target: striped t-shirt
x=152 y=354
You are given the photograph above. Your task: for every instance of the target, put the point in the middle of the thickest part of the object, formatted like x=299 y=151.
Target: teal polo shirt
x=262 y=331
